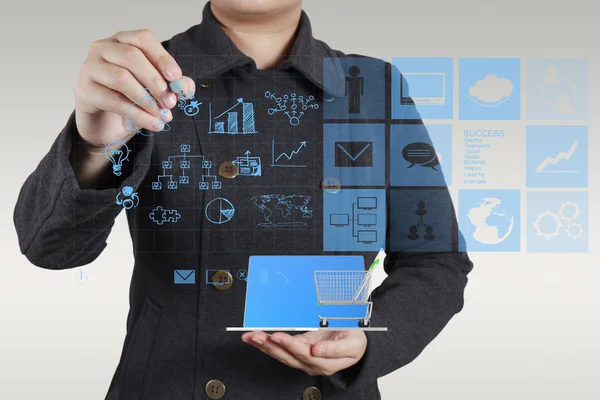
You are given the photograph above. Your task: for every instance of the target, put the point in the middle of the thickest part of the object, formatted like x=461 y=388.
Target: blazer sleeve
x=423 y=290
x=60 y=225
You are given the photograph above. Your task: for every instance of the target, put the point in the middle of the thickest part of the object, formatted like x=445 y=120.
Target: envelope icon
x=353 y=154
x=184 y=277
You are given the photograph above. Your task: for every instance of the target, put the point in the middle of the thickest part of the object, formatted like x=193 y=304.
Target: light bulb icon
x=116 y=152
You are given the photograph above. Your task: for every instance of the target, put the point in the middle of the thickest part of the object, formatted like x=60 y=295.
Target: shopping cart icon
x=344 y=288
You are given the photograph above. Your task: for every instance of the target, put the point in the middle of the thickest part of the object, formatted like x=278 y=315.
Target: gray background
x=531 y=325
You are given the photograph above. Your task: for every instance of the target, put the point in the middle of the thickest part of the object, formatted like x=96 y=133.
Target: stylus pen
x=378 y=259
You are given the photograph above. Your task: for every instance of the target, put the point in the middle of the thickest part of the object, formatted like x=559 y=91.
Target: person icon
x=413 y=233
x=429 y=233
x=355 y=88
x=421 y=208
x=564 y=104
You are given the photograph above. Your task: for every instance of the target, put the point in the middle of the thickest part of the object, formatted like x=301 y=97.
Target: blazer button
x=228 y=169
x=312 y=393
x=215 y=389
x=328 y=98
x=222 y=280
x=331 y=185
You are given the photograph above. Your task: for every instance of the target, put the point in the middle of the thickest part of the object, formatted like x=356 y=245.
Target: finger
x=247 y=337
x=295 y=346
x=105 y=99
x=189 y=89
x=154 y=51
x=121 y=80
x=158 y=56
x=351 y=346
x=282 y=355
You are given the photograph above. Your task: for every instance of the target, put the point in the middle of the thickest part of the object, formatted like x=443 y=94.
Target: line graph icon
x=284 y=159
x=545 y=166
x=557 y=156
x=231 y=125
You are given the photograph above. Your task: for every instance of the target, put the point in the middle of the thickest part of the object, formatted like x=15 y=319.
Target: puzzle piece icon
x=171 y=216
x=160 y=215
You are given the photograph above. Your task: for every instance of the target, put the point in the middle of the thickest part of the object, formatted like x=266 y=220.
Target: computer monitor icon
x=339 y=219
x=367 y=219
x=367 y=237
x=366 y=203
x=423 y=88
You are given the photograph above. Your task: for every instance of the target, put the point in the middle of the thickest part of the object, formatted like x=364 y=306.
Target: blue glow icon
x=190 y=108
x=557 y=89
x=117 y=152
x=128 y=198
x=219 y=211
x=279 y=210
x=248 y=166
x=160 y=215
x=557 y=156
x=231 y=125
x=284 y=159
x=208 y=179
x=490 y=89
x=298 y=105
x=489 y=220
x=422 y=88
x=354 y=220
x=557 y=221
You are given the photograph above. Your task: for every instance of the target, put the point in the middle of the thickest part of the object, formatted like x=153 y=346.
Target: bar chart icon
x=229 y=121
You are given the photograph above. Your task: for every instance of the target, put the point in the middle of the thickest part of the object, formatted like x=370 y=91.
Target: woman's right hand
x=113 y=78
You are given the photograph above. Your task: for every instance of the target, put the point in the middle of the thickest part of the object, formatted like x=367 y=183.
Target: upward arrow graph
x=293 y=153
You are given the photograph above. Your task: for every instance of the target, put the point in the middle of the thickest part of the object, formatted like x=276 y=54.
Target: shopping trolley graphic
x=344 y=288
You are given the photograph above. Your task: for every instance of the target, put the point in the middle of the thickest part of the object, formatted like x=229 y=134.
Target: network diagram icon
x=297 y=106
x=567 y=213
x=160 y=215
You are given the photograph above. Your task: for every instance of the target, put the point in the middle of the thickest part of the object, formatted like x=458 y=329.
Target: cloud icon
x=491 y=91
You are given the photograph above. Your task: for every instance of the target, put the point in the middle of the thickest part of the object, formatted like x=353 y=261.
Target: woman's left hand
x=321 y=352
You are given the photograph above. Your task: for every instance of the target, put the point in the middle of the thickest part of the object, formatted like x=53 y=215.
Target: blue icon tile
x=421 y=155
x=557 y=88
x=363 y=82
x=557 y=221
x=490 y=89
x=422 y=88
x=354 y=220
x=184 y=277
x=557 y=156
x=354 y=153
x=420 y=220
x=489 y=220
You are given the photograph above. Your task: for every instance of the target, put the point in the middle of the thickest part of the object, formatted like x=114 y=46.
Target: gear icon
x=578 y=233
x=540 y=217
x=574 y=213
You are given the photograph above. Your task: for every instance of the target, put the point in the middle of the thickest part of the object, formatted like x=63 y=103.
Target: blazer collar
x=218 y=53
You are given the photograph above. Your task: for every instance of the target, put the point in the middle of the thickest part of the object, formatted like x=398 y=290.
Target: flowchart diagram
x=354 y=220
x=208 y=179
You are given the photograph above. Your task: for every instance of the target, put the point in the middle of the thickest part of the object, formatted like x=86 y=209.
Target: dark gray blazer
x=176 y=341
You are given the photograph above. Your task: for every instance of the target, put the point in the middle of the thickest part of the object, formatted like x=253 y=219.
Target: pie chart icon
x=219 y=210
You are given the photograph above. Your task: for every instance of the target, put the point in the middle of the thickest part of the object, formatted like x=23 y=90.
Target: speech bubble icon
x=422 y=154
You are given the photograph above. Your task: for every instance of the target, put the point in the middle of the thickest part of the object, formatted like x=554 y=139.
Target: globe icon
x=219 y=210
x=492 y=223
